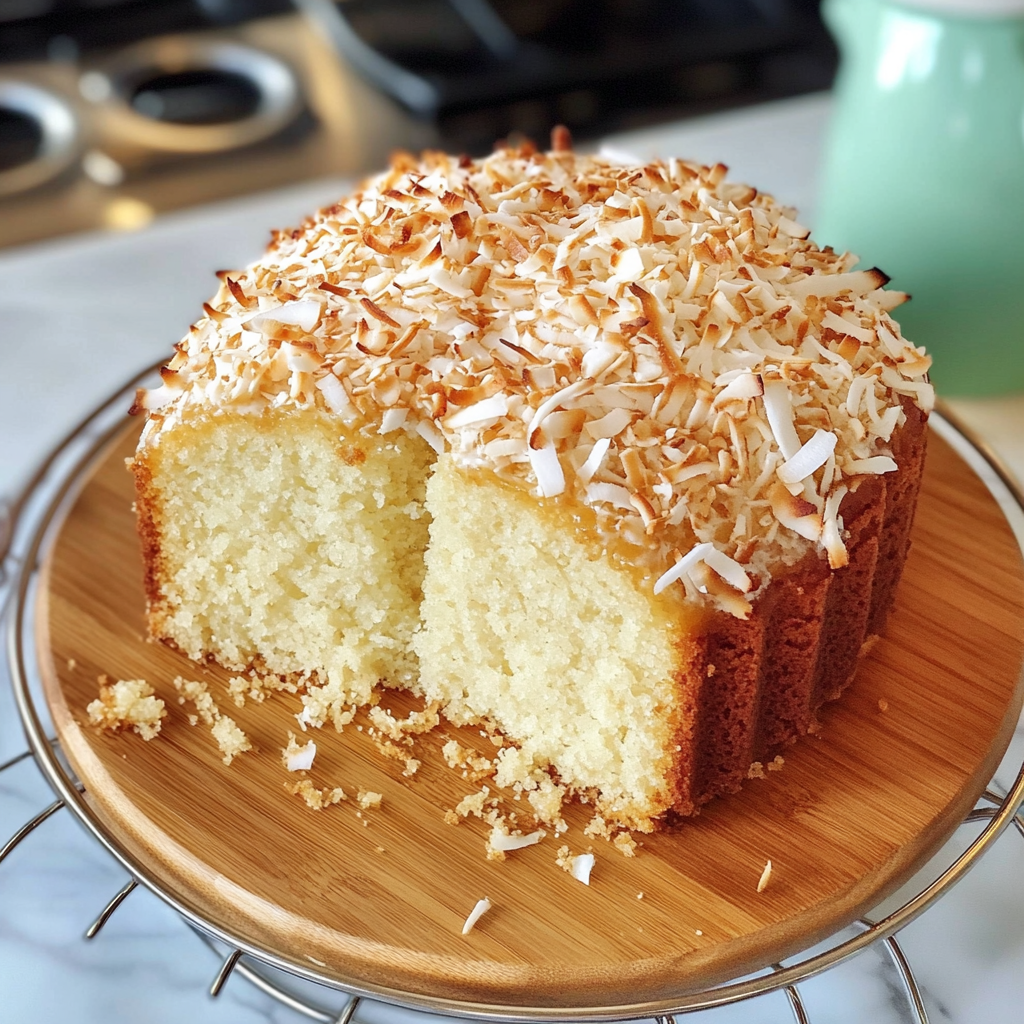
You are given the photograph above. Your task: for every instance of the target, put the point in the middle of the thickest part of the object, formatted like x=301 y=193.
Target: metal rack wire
x=25 y=525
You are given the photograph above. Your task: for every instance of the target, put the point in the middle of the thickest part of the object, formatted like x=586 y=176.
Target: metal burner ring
x=58 y=129
x=275 y=84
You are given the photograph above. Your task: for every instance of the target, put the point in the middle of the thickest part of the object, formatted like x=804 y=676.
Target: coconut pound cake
x=611 y=459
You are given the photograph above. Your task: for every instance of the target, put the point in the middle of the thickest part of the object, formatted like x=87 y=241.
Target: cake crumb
x=127 y=704
x=199 y=694
x=458 y=756
x=598 y=827
x=231 y=740
x=454 y=754
x=320 y=703
x=639 y=895
x=472 y=804
x=72 y=664
x=625 y=844
x=412 y=766
x=239 y=688
x=883 y=704
x=368 y=800
x=697 y=931
x=451 y=818
x=388 y=748
x=776 y=764
x=258 y=689
x=547 y=801
x=755 y=771
x=400 y=729
x=316 y=799
x=766 y=874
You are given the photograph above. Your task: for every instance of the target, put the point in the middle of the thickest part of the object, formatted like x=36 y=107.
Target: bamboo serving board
x=377 y=898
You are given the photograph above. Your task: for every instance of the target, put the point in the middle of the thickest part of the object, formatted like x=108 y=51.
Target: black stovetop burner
x=33 y=30
x=483 y=68
x=112 y=111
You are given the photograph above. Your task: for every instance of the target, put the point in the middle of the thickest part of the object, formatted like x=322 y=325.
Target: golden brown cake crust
x=758 y=684
x=147 y=524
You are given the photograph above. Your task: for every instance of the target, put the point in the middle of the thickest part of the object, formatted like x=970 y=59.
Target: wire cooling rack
x=27 y=522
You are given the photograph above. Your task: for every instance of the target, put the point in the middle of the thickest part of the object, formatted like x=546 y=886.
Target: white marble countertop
x=80 y=316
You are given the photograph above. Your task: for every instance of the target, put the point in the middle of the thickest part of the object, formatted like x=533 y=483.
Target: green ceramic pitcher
x=924 y=174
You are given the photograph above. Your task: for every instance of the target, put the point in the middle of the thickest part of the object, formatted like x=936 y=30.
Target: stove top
x=114 y=110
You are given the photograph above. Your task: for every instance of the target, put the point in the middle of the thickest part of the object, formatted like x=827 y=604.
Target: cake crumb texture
x=276 y=553
x=557 y=646
x=127 y=704
x=231 y=740
x=316 y=799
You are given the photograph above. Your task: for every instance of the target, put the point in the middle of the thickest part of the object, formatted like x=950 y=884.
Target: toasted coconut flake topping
x=548 y=471
x=654 y=342
x=303 y=313
x=683 y=566
x=813 y=454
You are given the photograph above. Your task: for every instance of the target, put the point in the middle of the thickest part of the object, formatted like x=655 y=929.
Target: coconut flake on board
x=481 y=908
x=582 y=867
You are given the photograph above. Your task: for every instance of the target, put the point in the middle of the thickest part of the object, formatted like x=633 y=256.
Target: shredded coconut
x=481 y=908
x=582 y=867
x=501 y=841
x=298 y=758
x=653 y=342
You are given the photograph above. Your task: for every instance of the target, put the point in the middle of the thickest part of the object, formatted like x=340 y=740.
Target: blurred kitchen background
x=112 y=111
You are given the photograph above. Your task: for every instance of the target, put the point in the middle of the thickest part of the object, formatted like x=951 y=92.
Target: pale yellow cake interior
x=529 y=626
x=287 y=548
x=286 y=545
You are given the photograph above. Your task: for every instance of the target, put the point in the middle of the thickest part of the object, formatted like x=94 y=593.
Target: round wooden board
x=377 y=899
